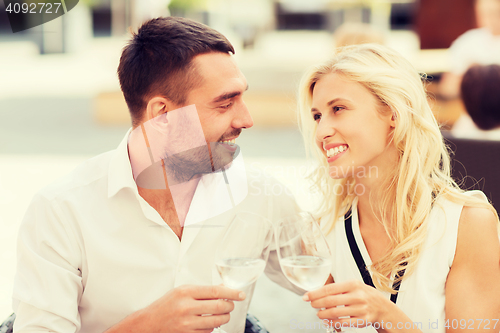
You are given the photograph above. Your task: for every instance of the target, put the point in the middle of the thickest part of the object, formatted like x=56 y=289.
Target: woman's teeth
x=229 y=141
x=335 y=151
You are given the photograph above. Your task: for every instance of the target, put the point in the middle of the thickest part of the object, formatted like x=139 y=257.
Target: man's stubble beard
x=184 y=166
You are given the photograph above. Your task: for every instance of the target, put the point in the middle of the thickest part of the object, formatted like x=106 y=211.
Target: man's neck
x=182 y=195
x=172 y=203
x=159 y=185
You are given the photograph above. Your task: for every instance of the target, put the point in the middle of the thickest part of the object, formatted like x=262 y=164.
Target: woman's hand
x=355 y=304
x=363 y=304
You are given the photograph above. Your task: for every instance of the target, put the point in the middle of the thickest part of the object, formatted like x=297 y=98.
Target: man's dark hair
x=158 y=61
x=480 y=89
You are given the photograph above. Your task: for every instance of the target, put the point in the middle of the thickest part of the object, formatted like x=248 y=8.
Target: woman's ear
x=388 y=115
x=393 y=119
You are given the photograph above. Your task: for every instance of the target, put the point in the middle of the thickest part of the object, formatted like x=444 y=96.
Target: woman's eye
x=316 y=117
x=337 y=108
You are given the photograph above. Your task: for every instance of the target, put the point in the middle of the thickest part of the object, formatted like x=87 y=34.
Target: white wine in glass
x=237 y=273
x=303 y=252
x=307 y=272
x=242 y=254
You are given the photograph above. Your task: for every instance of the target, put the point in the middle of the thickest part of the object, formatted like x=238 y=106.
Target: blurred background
x=60 y=101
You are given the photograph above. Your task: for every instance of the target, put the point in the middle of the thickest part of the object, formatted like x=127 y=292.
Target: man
x=112 y=248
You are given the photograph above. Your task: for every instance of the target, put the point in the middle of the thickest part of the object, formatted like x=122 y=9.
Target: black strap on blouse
x=361 y=263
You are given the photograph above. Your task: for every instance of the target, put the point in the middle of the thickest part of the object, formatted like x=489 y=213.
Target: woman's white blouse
x=421 y=294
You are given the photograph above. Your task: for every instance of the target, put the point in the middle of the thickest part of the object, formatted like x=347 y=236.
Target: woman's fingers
x=337 y=312
x=331 y=301
x=333 y=289
x=351 y=299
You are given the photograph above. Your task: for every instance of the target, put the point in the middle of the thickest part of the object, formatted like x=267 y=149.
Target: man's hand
x=186 y=309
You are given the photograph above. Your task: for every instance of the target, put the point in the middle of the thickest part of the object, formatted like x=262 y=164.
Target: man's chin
x=223 y=161
x=223 y=155
x=224 y=166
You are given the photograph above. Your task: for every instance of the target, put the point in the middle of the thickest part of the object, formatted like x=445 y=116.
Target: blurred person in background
x=145 y=10
x=479 y=90
x=99 y=251
x=477 y=46
x=351 y=33
x=411 y=251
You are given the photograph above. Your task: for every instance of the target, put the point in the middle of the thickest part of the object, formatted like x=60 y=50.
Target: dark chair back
x=8 y=325
x=476 y=166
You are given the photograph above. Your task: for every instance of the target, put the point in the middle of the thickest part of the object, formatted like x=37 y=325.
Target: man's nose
x=242 y=119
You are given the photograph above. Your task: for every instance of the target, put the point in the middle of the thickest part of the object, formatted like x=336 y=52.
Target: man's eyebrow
x=228 y=95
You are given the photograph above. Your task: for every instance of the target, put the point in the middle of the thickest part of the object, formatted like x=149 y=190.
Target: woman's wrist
x=393 y=319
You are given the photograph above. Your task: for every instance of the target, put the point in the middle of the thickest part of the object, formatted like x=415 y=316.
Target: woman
x=393 y=216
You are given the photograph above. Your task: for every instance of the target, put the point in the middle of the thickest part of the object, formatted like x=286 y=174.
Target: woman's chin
x=340 y=171
x=334 y=176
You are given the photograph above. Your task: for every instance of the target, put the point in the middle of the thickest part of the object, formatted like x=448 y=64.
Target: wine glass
x=242 y=254
x=303 y=252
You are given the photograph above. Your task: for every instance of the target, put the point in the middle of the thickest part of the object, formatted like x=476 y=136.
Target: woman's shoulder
x=478 y=226
x=452 y=209
x=476 y=221
x=478 y=241
x=458 y=201
x=458 y=220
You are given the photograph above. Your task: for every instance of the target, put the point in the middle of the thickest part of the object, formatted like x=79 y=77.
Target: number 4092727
x=33 y=8
x=471 y=324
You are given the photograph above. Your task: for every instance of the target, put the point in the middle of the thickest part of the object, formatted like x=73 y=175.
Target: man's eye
x=316 y=116
x=226 y=106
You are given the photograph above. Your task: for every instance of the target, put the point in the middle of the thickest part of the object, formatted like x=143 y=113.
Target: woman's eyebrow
x=333 y=101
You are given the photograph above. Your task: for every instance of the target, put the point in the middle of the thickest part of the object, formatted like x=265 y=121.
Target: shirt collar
x=213 y=196
x=120 y=171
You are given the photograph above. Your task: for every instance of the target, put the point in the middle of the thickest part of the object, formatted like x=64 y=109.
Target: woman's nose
x=324 y=130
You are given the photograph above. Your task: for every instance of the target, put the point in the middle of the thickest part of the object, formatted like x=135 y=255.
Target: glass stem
x=330 y=329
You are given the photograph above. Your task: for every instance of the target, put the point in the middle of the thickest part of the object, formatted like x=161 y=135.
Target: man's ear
x=157 y=106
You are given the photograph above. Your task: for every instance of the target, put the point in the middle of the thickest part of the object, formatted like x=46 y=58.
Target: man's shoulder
x=88 y=172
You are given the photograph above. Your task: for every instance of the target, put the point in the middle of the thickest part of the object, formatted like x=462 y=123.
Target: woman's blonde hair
x=422 y=173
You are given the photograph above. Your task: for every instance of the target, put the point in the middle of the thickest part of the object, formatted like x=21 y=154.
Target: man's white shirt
x=92 y=251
